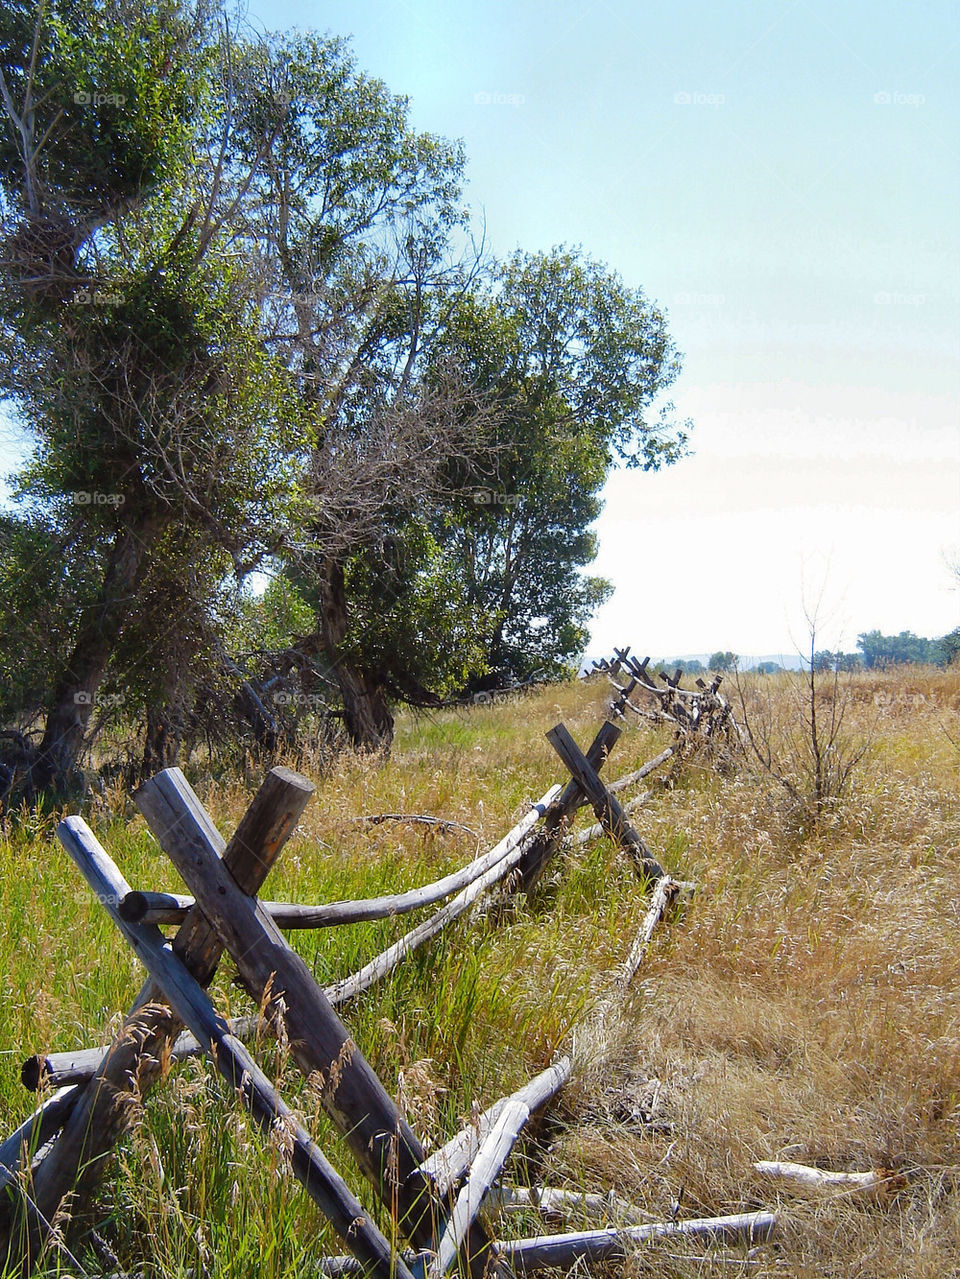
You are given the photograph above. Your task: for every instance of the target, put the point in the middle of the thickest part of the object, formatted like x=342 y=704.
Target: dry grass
x=804 y=1004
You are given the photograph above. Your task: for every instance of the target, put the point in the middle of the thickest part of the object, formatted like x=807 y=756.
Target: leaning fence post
x=98 y=1109
x=190 y=1002
x=546 y=844
x=608 y=809
x=385 y=1147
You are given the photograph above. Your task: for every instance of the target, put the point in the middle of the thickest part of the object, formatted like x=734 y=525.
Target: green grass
x=806 y=998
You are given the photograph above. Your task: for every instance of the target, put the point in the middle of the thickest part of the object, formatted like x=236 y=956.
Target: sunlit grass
x=803 y=1005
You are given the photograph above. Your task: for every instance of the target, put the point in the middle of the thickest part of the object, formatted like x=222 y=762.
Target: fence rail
x=433 y=1203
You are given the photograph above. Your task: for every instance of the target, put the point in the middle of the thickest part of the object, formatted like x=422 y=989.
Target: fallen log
x=821 y=1178
x=447 y=1165
x=616 y=1243
x=61 y=1068
x=509 y=852
x=493 y=1154
x=664 y=893
x=546 y=1199
x=529 y=1255
x=248 y=1082
x=630 y=779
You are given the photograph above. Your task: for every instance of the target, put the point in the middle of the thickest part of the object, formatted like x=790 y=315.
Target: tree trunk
x=76 y=689
x=366 y=712
x=167 y=708
x=161 y=747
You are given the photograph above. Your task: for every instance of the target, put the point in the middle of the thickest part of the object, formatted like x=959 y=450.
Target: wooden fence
x=434 y=1203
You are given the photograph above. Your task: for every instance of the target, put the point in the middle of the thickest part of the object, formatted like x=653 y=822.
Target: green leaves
x=106 y=103
x=580 y=336
x=575 y=361
x=237 y=329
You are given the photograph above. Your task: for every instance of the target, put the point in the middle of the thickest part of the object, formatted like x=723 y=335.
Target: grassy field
x=803 y=1005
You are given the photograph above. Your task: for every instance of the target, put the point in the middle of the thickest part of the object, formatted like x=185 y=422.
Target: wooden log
x=820 y=1178
x=23 y=1144
x=486 y=1167
x=57 y=1069
x=191 y=1004
x=102 y=1107
x=382 y=1142
x=607 y=808
x=169 y=908
x=547 y=1199
x=664 y=893
x=446 y=1166
x=616 y=1243
x=590 y=833
x=555 y=821
x=643 y=771
x=509 y=852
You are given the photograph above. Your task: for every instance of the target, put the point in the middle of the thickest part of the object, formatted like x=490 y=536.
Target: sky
x=781 y=178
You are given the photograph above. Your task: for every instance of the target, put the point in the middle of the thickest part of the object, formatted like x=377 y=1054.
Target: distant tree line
x=876 y=651
x=300 y=450
x=892 y=650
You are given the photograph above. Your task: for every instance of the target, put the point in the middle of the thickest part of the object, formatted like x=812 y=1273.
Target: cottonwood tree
x=568 y=361
x=575 y=361
x=352 y=223
x=135 y=358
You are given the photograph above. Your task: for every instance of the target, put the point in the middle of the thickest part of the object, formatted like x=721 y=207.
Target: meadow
x=802 y=1005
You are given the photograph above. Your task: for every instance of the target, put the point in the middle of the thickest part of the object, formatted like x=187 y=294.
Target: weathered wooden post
x=385 y=1147
x=100 y=1107
x=545 y=846
x=609 y=812
x=189 y=1001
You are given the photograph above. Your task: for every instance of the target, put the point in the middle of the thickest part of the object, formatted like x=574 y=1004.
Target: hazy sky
x=782 y=178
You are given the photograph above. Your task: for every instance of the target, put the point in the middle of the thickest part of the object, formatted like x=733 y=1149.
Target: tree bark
x=366 y=713
x=76 y=689
x=161 y=747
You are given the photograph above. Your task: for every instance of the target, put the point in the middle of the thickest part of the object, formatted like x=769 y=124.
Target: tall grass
x=804 y=1005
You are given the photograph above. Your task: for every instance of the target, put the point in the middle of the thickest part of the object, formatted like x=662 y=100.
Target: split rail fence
x=433 y=1203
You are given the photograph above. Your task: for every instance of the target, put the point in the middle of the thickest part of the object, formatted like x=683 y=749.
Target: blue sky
x=782 y=178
